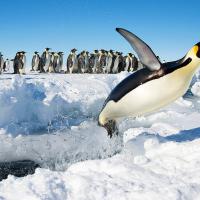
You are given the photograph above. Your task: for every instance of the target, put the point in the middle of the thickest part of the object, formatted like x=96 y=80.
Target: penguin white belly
x=150 y=96
x=116 y=63
x=109 y=63
x=127 y=64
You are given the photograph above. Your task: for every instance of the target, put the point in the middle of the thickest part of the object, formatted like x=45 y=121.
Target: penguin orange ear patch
x=195 y=49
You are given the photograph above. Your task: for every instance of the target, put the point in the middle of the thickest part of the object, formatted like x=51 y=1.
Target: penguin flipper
x=145 y=53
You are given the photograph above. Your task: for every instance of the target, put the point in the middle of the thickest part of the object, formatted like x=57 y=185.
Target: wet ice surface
x=51 y=119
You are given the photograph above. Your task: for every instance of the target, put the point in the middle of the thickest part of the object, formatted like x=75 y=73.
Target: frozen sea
x=52 y=120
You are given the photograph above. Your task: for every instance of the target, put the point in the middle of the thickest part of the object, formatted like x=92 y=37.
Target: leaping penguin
x=148 y=89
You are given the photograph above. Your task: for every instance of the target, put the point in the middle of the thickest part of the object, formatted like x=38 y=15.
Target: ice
x=52 y=120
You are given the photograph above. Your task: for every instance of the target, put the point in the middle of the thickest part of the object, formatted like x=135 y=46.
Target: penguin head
x=22 y=53
x=102 y=51
x=47 y=49
x=194 y=52
x=198 y=50
x=60 y=53
x=73 y=50
x=36 y=52
x=130 y=54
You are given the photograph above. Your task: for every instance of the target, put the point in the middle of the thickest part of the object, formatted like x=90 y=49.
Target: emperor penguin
x=121 y=62
x=151 y=88
x=101 y=63
x=45 y=60
x=116 y=63
x=128 y=60
x=109 y=61
x=96 y=58
x=105 y=60
x=72 y=62
x=52 y=63
x=6 y=65
x=86 y=61
x=35 y=61
x=60 y=61
x=81 y=62
x=22 y=60
x=55 y=62
x=17 y=63
x=1 y=62
x=91 y=63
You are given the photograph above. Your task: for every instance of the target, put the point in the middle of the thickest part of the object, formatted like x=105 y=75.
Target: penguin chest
x=150 y=96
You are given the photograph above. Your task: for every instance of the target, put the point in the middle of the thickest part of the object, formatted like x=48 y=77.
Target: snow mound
x=54 y=121
x=51 y=119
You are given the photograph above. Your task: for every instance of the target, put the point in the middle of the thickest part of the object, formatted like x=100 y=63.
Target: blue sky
x=169 y=27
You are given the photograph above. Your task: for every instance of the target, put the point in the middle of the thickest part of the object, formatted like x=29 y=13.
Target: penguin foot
x=111 y=128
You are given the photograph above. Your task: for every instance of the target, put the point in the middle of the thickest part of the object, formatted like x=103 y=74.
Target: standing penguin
x=1 y=62
x=23 y=62
x=109 y=62
x=121 y=62
x=6 y=65
x=96 y=58
x=128 y=62
x=81 y=62
x=72 y=62
x=118 y=63
x=148 y=89
x=45 y=60
x=91 y=63
x=35 y=61
x=86 y=61
x=60 y=61
x=53 y=62
x=101 y=63
x=17 y=63
x=104 y=61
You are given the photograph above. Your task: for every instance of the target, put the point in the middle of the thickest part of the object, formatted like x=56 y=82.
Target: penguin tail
x=111 y=127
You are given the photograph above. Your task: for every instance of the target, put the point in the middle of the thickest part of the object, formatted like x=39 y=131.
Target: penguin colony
x=99 y=61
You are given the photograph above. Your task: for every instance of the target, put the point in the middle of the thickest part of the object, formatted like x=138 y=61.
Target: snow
x=52 y=119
